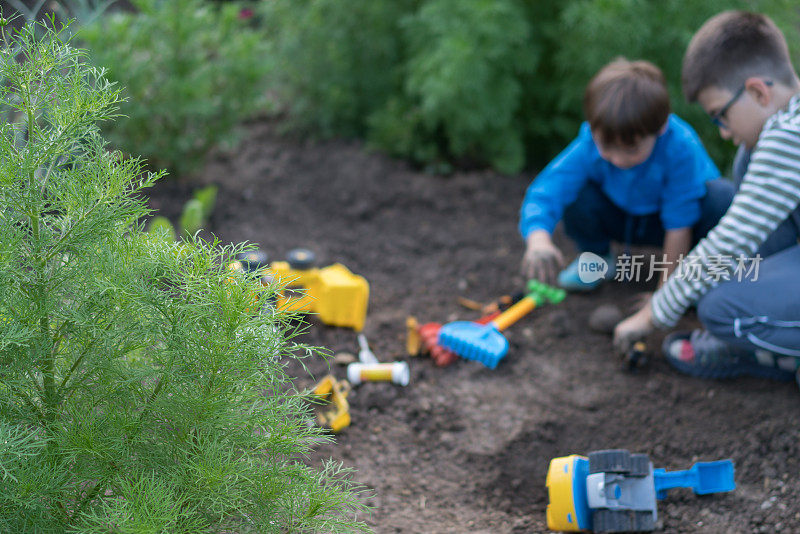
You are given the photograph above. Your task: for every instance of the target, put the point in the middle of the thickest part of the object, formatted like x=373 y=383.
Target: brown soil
x=465 y=448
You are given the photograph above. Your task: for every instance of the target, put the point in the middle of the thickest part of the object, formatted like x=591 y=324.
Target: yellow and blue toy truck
x=616 y=491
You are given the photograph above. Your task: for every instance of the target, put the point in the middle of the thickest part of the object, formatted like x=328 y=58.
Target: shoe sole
x=721 y=372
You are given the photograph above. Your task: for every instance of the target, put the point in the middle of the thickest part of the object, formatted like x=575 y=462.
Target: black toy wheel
x=645 y=522
x=253 y=260
x=640 y=465
x=301 y=259
x=613 y=521
x=610 y=461
x=622 y=521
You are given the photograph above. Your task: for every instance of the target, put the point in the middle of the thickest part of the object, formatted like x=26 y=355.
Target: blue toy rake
x=485 y=343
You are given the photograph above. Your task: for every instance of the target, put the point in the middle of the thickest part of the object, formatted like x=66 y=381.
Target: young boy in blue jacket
x=635 y=174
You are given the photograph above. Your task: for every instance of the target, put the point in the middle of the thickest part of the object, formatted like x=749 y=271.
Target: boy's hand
x=633 y=329
x=542 y=260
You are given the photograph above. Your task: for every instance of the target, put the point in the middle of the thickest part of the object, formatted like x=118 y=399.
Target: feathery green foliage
x=335 y=62
x=192 y=71
x=495 y=82
x=462 y=85
x=138 y=391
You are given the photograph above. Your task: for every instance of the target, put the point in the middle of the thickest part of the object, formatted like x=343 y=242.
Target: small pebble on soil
x=605 y=318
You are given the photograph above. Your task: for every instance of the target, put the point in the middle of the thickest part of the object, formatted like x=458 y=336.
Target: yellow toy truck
x=336 y=295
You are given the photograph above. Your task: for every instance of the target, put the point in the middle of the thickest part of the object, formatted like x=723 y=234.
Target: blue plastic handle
x=703 y=478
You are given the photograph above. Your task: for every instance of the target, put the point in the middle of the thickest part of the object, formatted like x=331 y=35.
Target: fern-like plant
x=139 y=392
x=192 y=71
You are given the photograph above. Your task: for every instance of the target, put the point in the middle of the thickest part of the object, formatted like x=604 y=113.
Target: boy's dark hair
x=731 y=47
x=625 y=101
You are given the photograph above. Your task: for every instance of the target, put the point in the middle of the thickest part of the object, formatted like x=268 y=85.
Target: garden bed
x=465 y=448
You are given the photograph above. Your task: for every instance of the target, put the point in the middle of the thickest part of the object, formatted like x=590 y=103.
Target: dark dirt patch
x=465 y=448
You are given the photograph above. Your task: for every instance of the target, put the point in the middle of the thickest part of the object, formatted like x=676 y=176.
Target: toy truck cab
x=568 y=509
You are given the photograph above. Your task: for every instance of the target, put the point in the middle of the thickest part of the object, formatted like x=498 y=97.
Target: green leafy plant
x=138 y=390
x=192 y=71
x=207 y=196
x=462 y=87
x=335 y=62
x=191 y=217
x=161 y=225
x=483 y=82
x=29 y=13
x=197 y=210
x=82 y=11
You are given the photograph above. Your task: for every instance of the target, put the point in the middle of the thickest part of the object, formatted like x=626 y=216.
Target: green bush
x=192 y=71
x=462 y=89
x=335 y=62
x=477 y=81
x=138 y=392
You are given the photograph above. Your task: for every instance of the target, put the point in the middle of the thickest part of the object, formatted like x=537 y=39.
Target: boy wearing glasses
x=635 y=174
x=737 y=67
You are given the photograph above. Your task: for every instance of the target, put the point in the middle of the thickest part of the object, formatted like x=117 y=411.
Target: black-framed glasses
x=719 y=117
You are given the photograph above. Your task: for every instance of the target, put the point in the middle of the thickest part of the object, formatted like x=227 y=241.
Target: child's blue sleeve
x=556 y=187
x=685 y=186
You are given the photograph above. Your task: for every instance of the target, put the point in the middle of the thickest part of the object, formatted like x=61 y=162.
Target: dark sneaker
x=700 y=354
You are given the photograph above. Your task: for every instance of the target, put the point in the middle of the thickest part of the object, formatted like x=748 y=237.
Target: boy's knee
x=717 y=312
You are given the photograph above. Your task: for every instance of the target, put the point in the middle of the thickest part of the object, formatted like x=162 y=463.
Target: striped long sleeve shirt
x=769 y=193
